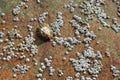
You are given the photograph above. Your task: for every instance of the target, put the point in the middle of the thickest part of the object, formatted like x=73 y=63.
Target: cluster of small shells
x=89 y=60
